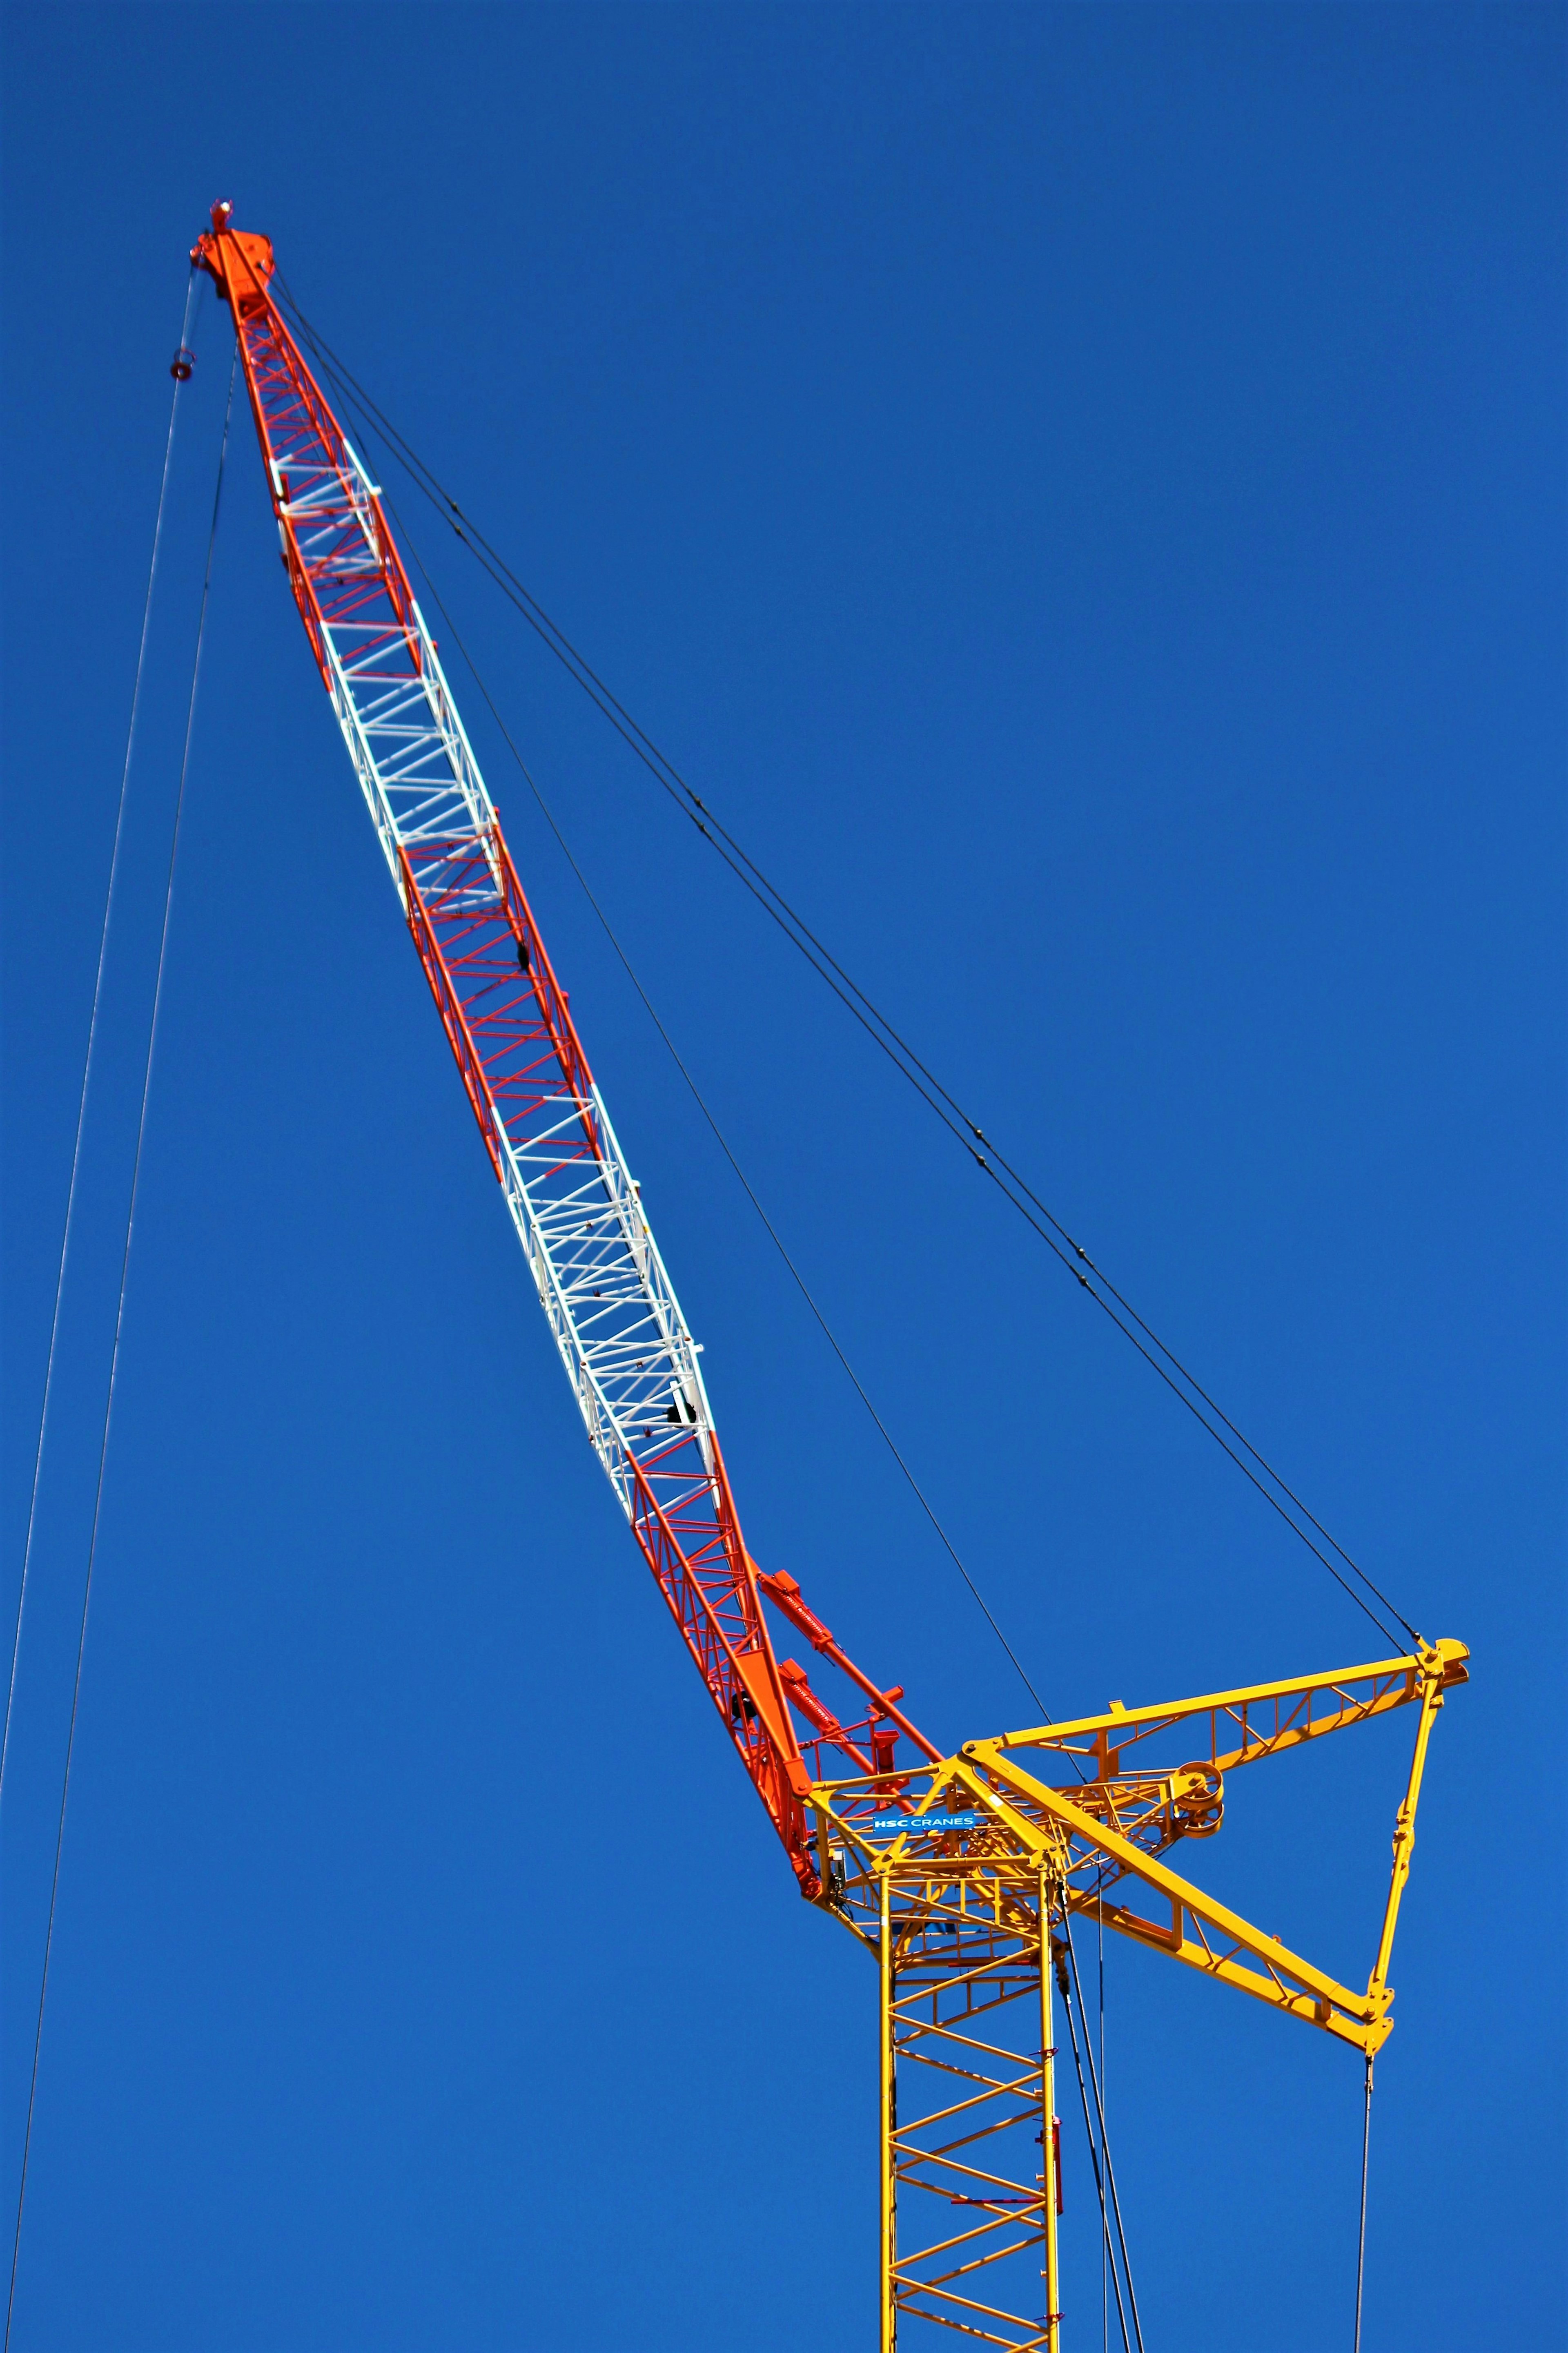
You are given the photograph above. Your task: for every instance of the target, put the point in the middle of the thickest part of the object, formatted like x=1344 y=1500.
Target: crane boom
x=960 y=1874
x=608 y=1300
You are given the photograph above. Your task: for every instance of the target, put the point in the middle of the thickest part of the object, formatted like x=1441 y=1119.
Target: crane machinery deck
x=956 y=1875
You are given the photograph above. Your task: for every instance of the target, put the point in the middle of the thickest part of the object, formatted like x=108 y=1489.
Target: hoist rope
x=719 y=1136
x=994 y=1163
x=1104 y=2140
x=119 y=1332
x=1099 y=1950
x=1360 y=2236
x=93 y=1039
x=1105 y=2252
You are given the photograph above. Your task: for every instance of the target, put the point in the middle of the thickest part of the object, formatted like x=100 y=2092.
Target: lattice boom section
x=605 y=1293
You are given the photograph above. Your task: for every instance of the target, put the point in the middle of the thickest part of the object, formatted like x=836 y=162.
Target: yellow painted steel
x=1404 y=1832
x=1048 y=2126
x=976 y=2147
x=953 y=1874
x=1360 y=1693
x=889 y=2129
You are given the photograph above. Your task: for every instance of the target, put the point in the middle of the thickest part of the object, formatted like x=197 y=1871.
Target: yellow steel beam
x=1404 y=1828
x=968 y=2170
x=1387 y=1683
x=1048 y=2126
x=1281 y=1978
x=1197 y=1952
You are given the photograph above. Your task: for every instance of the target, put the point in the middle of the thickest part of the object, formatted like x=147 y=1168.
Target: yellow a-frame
x=954 y=1876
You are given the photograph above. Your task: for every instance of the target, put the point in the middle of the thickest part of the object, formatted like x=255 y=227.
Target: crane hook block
x=181 y=363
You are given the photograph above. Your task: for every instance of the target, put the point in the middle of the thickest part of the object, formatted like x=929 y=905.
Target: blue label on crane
x=925 y=1825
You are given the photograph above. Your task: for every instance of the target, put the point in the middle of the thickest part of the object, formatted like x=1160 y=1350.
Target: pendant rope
x=1360 y=2240
x=114 y=1355
x=92 y=1035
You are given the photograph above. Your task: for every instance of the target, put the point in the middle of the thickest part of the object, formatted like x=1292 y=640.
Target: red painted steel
x=508 y=1023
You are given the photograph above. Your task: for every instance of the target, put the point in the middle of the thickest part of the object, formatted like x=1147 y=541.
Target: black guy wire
x=92 y=1041
x=697 y=1095
x=1361 y=2239
x=1061 y=1968
x=1104 y=2137
x=119 y=1332
x=898 y=1050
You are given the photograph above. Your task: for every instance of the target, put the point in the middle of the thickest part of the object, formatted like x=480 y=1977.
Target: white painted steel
x=608 y=1300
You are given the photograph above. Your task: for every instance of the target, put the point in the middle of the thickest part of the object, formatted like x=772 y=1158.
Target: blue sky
x=1080 y=491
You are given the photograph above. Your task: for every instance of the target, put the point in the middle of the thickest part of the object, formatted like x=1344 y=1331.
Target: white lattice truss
x=608 y=1299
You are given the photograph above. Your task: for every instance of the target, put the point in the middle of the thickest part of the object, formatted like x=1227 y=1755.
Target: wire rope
x=118 y=1332
x=992 y=1162
x=92 y=1038
x=719 y=1136
x=1104 y=2141
x=1105 y=2254
x=1013 y=1187
x=1360 y=2236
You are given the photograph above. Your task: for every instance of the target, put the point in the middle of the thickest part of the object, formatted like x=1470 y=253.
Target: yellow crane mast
x=960 y=1879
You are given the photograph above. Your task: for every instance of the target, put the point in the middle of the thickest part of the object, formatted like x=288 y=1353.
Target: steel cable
x=1360 y=2236
x=1105 y=2256
x=992 y=1162
x=118 y=1332
x=1104 y=2139
x=719 y=1136
x=92 y=1039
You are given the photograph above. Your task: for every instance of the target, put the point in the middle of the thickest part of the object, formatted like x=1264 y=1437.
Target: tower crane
x=956 y=1874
